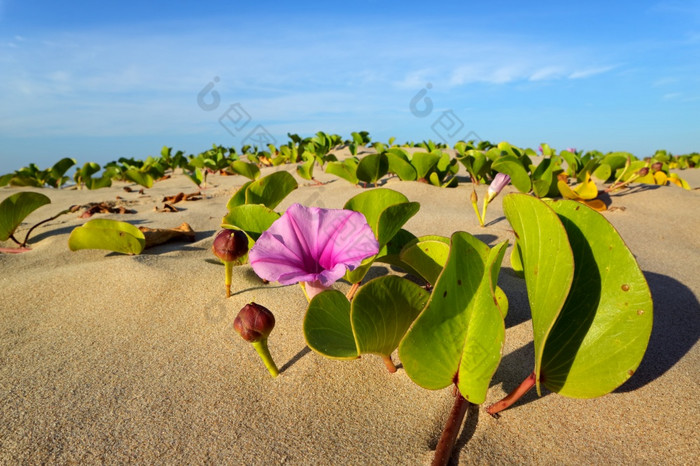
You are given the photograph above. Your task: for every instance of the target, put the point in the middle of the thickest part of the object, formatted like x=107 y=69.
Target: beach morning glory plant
x=313 y=246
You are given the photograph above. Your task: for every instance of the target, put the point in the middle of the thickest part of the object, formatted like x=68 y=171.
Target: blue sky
x=101 y=80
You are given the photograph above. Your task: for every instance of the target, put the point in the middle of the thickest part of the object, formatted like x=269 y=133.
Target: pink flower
x=499 y=182
x=313 y=245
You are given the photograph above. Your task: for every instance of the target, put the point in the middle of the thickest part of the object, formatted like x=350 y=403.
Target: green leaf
x=239 y=197
x=372 y=167
x=327 y=326
x=139 y=177
x=373 y=202
x=603 y=172
x=249 y=170
x=512 y=167
x=458 y=337
x=346 y=169
x=110 y=235
x=306 y=169
x=254 y=219
x=602 y=332
x=15 y=208
x=393 y=218
x=270 y=190
x=427 y=256
x=548 y=263
x=423 y=163
x=399 y=165
x=382 y=311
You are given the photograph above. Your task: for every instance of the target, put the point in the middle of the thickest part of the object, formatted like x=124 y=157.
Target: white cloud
x=588 y=72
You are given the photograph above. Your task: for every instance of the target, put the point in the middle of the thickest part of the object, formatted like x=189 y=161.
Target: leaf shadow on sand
x=675 y=331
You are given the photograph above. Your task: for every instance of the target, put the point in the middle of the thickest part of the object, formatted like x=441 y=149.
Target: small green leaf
x=346 y=169
x=603 y=172
x=15 y=208
x=306 y=169
x=139 y=177
x=382 y=311
x=110 y=235
x=271 y=189
x=239 y=197
x=393 y=218
x=247 y=169
x=512 y=167
x=427 y=255
x=372 y=167
x=254 y=219
x=399 y=165
x=327 y=326
x=423 y=163
x=373 y=202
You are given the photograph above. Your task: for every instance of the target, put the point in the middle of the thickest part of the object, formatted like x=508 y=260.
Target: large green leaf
x=382 y=311
x=271 y=189
x=254 y=219
x=511 y=166
x=110 y=235
x=327 y=326
x=459 y=335
x=602 y=332
x=372 y=167
x=548 y=263
x=15 y=208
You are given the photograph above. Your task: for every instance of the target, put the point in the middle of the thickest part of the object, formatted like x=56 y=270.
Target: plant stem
x=264 y=352
x=12 y=237
x=513 y=396
x=351 y=292
x=478 y=215
x=443 y=452
x=389 y=363
x=26 y=237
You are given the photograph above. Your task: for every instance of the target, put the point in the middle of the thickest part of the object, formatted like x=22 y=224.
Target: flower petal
x=310 y=243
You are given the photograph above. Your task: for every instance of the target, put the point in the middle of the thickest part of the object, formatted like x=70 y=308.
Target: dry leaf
x=166 y=208
x=156 y=236
x=103 y=208
x=182 y=197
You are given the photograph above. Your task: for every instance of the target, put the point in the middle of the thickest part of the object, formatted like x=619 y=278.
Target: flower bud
x=230 y=245
x=254 y=322
x=644 y=171
x=656 y=166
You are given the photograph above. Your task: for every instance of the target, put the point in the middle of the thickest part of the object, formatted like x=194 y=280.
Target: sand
x=113 y=358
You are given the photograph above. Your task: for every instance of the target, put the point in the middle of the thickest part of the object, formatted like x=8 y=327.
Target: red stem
x=513 y=396
x=443 y=452
x=389 y=363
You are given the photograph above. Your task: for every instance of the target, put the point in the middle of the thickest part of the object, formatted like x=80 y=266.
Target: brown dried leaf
x=182 y=197
x=166 y=208
x=156 y=236
x=102 y=208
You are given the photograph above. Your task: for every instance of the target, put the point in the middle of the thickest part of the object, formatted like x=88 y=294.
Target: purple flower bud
x=644 y=171
x=230 y=245
x=254 y=322
x=571 y=149
x=499 y=182
x=656 y=166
